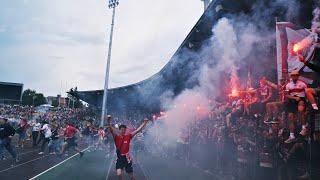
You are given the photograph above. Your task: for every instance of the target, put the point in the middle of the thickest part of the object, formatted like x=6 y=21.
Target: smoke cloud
x=316 y=16
x=231 y=44
x=237 y=42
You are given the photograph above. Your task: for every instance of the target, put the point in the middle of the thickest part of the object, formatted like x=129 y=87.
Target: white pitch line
x=23 y=163
x=108 y=173
x=56 y=165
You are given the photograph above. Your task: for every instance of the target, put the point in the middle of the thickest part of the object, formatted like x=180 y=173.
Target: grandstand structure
x=205 y=3
x=174 y=77
x=10 y=93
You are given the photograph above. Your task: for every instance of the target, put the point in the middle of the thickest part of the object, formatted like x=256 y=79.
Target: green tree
x=32 y=98
x=28 y=97
x=39 y=99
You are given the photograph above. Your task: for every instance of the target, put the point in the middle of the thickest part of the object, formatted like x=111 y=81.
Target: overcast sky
x=53 y=45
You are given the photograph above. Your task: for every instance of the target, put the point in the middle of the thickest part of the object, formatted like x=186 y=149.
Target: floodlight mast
x=112 y=5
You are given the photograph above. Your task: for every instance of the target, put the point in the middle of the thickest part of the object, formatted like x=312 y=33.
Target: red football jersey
x=70 y=131
x=123 y=143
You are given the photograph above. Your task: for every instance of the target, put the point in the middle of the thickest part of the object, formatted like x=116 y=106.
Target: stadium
x=135 y=95
x=237 y=100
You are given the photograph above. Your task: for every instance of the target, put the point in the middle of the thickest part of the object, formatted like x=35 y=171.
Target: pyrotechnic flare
x=304 y=43
x=296 y=48
x=234 y=93
x=313 y=36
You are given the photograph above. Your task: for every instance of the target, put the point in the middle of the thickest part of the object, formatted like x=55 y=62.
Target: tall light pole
x=112 y=5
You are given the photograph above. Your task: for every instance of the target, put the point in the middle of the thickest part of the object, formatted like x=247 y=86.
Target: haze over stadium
x=236 y=98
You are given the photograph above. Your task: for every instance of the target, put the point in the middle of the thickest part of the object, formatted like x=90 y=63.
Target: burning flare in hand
x=296 y=48
x=234 y=93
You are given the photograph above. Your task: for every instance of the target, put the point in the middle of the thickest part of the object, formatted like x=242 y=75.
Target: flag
x=286 y=37
x=282 y=52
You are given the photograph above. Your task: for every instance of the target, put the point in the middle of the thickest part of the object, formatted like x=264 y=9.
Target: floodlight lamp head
x=113 y=3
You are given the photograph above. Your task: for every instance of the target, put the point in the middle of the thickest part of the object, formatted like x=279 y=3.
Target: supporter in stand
x=311 y=92
x=236 y=111
x=315 y=160
x=274 y=109
x=264 y=93
x=250 y=102
x=297 y=160
x=296 y=104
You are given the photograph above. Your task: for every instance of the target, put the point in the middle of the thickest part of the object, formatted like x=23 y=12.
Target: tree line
x=33 y=98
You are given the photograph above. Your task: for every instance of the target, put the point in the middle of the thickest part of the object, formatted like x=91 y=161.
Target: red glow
x=296 y=48
x=234 y=85
x=234 y=93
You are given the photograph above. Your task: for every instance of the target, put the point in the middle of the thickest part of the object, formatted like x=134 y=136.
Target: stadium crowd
x=268 y=132
x=54 y=129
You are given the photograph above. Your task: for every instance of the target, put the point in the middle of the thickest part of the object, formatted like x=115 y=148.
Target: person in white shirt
x=295 y=104
x=47 y=134
x=36 y=126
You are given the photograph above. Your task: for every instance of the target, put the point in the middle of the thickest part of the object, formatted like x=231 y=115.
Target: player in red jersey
x=122 y=142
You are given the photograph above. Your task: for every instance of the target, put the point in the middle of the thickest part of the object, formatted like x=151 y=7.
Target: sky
x=51 y=46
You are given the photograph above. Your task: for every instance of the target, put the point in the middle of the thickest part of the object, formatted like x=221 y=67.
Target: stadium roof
x=11 y=84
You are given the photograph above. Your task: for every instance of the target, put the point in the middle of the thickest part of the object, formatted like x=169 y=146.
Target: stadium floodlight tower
x=112 y=5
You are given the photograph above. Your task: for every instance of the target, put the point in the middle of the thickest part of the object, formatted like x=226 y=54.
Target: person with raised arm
x=122 y=141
